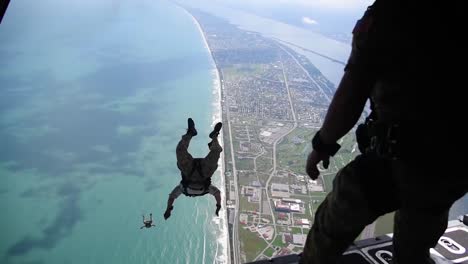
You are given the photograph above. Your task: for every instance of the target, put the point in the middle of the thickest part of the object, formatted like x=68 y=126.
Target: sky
x=343 y=5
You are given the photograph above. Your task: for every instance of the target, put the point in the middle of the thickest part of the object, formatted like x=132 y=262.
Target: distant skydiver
x=148 y=223
x=196 y=172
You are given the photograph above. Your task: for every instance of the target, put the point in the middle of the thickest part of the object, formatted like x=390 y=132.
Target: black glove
x=218 y=207
x=319 y=146
x=167 y=214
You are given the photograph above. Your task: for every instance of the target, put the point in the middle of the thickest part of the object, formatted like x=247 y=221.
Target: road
x=235 y=231
x=312 y=51
x=307 y=73
x=274 y=160
x=236 y=249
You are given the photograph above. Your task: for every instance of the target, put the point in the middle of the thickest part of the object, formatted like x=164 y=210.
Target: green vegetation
x=269 y=252
x=345 y=154
x=264 y=163
x=297 y=249
x=293 y=150
x=268 y=217
x=307 y=214
x=245 y=179
x=296 y=230
x=251 y=244
x=279 y=241
x=246 y=206
x=318 y=198
x=243 y=70
x=252 y=69
x=230 y=72
x=347 y=142
x=263 y=178
x=328 y=181
x=244 y=164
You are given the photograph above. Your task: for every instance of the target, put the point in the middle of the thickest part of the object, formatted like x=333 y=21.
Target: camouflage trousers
x=368 y=187
x=185 y=160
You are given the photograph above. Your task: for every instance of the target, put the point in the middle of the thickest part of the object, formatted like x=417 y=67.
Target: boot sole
x=216 y=129
x=191 y=127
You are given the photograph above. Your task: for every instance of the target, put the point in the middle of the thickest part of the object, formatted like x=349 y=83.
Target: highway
x=274 y=160
x=235 y=230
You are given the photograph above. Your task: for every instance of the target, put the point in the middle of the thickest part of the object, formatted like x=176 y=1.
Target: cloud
x=309 y=21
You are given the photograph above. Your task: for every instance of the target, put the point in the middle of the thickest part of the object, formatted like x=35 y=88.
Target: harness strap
x=186 y=180
x=396 y=141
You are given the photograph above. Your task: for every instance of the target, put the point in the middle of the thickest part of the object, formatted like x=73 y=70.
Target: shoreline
x=217 y=117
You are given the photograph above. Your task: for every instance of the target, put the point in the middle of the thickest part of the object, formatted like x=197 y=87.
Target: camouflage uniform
x=185 y=163
x=415 y=184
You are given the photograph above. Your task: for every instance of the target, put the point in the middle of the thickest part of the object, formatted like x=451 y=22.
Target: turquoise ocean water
x=95 y=96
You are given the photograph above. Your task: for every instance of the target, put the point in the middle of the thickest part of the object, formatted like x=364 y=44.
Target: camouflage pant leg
x=369 y=187
x=210 y=162
x=346 y=211
x=423 y=216
x=415 y=232
x=184 y=158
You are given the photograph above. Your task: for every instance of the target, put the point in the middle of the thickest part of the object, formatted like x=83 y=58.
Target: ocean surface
x=95 y=96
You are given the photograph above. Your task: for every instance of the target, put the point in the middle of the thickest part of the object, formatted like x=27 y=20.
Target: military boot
x=216 y=130
x=191 y=128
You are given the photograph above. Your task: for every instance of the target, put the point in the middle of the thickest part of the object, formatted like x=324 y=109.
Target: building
x=303 y=222
x=249 y=191
x=315 y=186
x=256 y=184
x=255 y=198
x=287 y=238
x=281 y=207
x=299 y=188
x=279 y=187
x=283 y=219
x=232 y=189
x=283 y=216
x=297 y=141
x=299 y=239
x=290 y=200
x=243 y=219
x=295 y=208
x=231 y=214
x=279 y=190
x=284 y=252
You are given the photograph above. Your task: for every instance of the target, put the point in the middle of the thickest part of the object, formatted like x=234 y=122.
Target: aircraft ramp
x=451 y=248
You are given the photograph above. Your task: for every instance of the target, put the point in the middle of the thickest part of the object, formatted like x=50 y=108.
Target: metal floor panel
x=452 y=248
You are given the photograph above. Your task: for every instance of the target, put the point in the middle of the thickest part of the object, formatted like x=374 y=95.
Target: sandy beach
x=221 y=222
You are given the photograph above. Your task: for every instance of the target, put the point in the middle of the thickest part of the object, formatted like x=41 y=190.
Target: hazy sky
x=343 y=5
